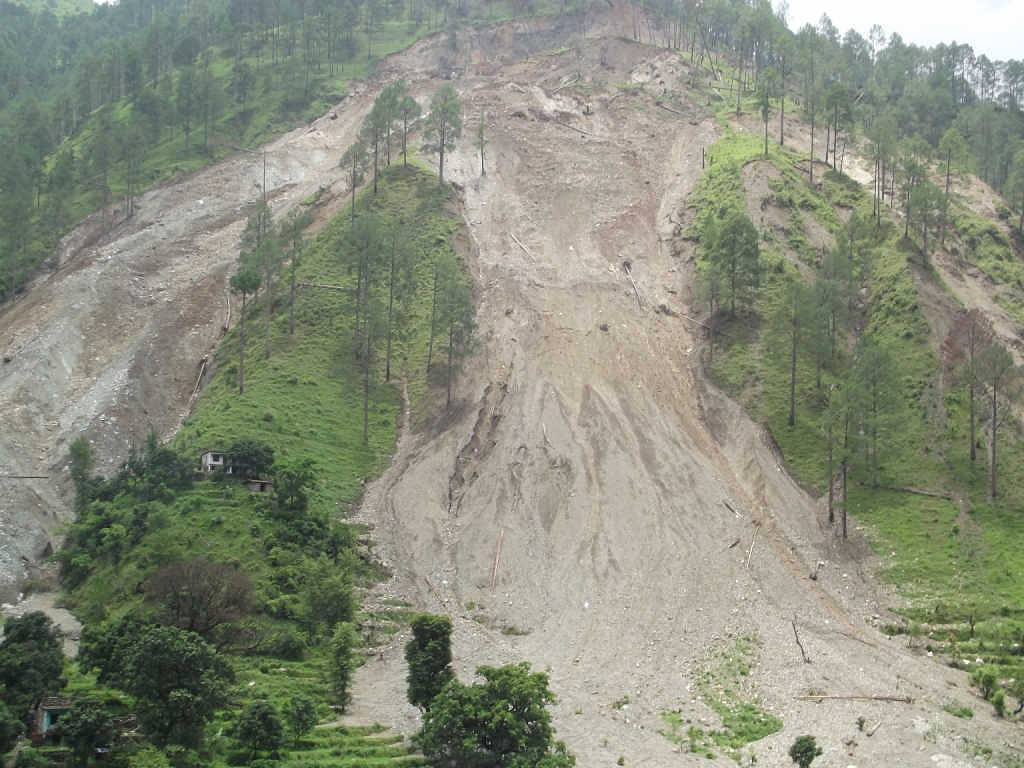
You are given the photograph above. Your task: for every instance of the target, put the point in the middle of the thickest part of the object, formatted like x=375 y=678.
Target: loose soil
x=577 y=504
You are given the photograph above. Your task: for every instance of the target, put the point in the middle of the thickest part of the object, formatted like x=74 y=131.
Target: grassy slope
x=948 y=566
x=306 y=402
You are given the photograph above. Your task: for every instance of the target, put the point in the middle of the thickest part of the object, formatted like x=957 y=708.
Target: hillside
x=597 y=501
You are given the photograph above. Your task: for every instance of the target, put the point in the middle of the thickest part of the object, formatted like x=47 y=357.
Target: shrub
x=804 y=750
x=985 y=680
x=999 y=702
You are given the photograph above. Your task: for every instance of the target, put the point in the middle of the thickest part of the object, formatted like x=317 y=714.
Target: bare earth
x=588 y=483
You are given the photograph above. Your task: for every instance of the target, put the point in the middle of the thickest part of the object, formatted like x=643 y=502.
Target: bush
x=287 y=644
x=985 y=680
x=804 y=750
x=999 y=702
x=259 y=727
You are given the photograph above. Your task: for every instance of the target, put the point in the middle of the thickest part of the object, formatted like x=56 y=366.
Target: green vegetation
x=723 y=684
x=804 y=750
x=429 y=657
x=810 y=379
x=502 y=721
x=188 y=584
x=958 y=710
x=103 y=105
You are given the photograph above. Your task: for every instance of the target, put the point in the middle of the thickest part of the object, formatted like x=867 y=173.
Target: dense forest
x=97 y=106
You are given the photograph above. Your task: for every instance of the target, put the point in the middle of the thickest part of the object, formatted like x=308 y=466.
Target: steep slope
x=590 y=490
x=589 y=503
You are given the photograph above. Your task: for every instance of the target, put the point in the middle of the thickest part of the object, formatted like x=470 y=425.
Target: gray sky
x=992 y=27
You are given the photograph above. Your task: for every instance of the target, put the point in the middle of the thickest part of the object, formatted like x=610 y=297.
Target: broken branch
x=900 y=699
x=497 y=557
x=799 y=644
x=519 y=243
x=752 y=540
x=571 y=127
x=629 y=274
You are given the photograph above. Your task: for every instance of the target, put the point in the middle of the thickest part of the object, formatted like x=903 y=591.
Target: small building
x=260 y=486
x=44 y=719
x=215 y=461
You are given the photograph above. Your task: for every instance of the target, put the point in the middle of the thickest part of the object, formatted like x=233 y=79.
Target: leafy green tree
x=292 y=234
x=428 y=655
x=250 y=458
x=480 y=140
x=11 y=729
x=1015 y=186
x=354 y=161
x=327 y=596
x=245 y=281
x=31 y=661
x=874 y=380
x=735 y=251
x=292 y=484
x=710 y=287
x=300 y=716
x=259 y=727
x=409 y=110
x=80 y=461
x=954 y=153
x=343 y=663
x=401 y=284
x=178 y=681
x=443 y=125
x=374 y=132
x=970 y=335
x=999 y=375
x=456 y=316
x=243 y=80
x=804 y=750
x=767 y=88
x=928 y=204
x=791 y=321
x=268 y=257
x=85 y=727
x=503 y=721
x=185 y=100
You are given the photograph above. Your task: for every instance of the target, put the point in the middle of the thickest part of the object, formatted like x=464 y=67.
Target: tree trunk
x=241 y=349
x=711 y=330
x=945 y=212
x=376 y=150
x=433 y=318
x=291 y=298
x=366 y=387
x=440 y=165
x=992 y=449
x=792 y=380
x=451 y=344
x=843 y=472
x=270 y=303
x=831 y=478
x=782 y=110
x=810 y=168
x=391 y=303
x=766 y=137
x=970 y=397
